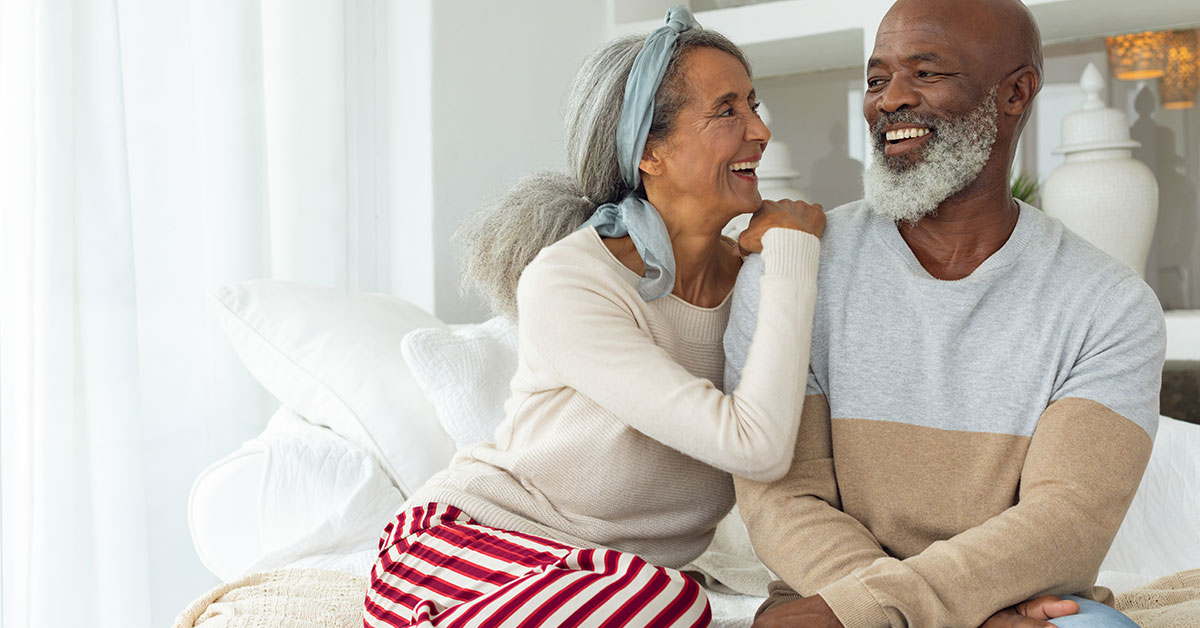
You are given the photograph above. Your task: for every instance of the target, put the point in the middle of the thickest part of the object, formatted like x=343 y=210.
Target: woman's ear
x=651 y=162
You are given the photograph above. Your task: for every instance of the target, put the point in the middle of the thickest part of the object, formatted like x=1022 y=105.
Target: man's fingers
x=1014 y=618
x=1061 y=608
x=1047 y=607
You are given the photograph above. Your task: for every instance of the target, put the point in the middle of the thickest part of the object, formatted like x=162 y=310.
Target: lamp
x=1138 y=55
x=1178 y=86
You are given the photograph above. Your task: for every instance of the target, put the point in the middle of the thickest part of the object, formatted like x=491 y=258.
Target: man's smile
x=901 y=139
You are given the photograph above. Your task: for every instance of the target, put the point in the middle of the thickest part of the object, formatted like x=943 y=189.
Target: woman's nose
x=757 y=131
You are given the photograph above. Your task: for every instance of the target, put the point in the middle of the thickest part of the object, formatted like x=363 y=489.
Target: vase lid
x=776 y=162
x=1095 y=126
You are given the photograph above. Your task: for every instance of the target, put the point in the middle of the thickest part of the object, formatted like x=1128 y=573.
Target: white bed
x=376 y=394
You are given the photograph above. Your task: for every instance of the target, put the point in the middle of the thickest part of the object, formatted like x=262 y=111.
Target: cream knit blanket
x=285 y=598
x=1170 y=602
x=316 y=598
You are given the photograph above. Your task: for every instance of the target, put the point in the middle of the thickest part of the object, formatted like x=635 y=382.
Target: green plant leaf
x=1025 y=187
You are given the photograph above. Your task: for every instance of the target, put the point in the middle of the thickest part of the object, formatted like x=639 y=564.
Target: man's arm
x=1082 y=468
x=1081 y=471
x=796 y=523
x=801 y=534
x=1084 y=463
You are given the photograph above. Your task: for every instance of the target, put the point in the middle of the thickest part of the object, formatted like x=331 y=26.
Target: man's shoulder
x=852 y=213
x=1086 y=281
x=845 y=224
x=1073 y=262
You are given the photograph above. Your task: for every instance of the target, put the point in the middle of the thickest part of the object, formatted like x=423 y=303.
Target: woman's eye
x=725 y=113
x=755 y=107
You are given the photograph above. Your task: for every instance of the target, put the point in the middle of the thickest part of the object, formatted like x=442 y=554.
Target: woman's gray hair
x=508 y=232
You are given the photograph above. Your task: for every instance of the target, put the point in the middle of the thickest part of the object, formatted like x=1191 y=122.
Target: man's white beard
x=954 y=157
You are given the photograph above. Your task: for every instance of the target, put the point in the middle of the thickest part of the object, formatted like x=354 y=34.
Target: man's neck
x=967 y=229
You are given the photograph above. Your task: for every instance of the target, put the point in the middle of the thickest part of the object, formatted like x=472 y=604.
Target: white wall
x=500 y=72
x=816 y=116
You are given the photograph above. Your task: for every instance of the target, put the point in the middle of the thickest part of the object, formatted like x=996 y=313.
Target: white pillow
x=296 y=491
x=466 y=373
x=1161 y=532
x=335 y=360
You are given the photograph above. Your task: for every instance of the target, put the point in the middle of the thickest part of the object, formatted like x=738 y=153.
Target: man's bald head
x=1001 y=33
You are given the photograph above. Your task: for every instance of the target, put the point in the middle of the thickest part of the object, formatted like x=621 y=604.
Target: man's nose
x=897 y=94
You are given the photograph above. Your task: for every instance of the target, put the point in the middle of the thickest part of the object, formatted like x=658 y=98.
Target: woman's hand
x=1032 y=614
x=784 y=214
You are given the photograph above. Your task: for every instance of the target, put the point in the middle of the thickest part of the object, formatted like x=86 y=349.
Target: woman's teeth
x=744 y=165
x=904 y=134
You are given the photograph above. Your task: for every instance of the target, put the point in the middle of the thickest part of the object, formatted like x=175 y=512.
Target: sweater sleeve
x=589 y=340
x=1084 y=463
x=796 y=524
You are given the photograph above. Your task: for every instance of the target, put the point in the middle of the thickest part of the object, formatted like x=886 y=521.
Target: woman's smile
x=745 y=169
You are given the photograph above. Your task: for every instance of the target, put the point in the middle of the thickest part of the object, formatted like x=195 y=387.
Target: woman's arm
x=578 y=327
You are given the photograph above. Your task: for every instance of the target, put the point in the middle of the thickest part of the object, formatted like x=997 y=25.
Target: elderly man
x=983 y=392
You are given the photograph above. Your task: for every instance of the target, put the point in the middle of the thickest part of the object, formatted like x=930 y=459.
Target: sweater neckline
x=612 y=259
x=702 y=325
x=1010 y=252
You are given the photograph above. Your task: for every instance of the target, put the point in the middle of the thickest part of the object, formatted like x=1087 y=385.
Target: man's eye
x=925 y=74
x=875 y=82
x=755 y=107
x=725 y=113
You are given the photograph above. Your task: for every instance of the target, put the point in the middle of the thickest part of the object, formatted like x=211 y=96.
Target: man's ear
x=1018 y=90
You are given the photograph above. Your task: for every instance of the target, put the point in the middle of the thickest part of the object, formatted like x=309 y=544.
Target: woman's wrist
x=791 y=252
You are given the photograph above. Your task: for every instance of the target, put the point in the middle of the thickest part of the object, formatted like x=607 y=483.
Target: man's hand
x=809 y=612
x=1032 y=614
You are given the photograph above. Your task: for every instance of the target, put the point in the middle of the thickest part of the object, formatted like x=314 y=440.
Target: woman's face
x=704 y=171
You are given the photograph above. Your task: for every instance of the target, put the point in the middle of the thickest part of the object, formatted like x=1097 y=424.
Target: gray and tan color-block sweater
x=965 y=445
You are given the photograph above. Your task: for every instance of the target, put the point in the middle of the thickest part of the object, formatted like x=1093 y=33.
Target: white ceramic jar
x=1101 y=192
x=775 y=177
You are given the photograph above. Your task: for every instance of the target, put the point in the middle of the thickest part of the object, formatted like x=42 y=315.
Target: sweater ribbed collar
x=1027 y=225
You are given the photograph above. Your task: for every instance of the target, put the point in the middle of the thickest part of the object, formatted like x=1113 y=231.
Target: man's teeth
x=744 y=165
x=904 y=134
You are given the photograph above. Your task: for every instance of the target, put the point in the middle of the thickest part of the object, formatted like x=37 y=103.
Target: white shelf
x=785 y=36
x=1183 y=335
x=798 y=36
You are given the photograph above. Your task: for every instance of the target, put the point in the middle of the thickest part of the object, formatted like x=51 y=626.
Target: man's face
x=931 y=112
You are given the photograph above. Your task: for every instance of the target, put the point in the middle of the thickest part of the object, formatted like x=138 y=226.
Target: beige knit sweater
x=617 y=433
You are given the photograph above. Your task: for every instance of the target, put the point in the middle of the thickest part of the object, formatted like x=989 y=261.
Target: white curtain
x=150 y=151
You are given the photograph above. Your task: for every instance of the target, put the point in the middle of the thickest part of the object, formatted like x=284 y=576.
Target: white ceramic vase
x=775 y=177
x=1101 y=192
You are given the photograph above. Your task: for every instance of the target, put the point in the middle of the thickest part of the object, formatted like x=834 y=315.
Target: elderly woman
x=613 y=464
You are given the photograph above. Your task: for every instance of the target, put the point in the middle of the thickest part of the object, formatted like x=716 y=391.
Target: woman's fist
x=784 y=214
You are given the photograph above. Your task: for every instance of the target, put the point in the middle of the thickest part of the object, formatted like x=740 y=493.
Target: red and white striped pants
x=437 y=567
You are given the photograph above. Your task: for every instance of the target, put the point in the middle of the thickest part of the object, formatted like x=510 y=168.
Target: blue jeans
x=1093 y=615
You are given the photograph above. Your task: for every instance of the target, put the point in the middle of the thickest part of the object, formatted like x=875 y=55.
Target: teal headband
x=635 y=216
